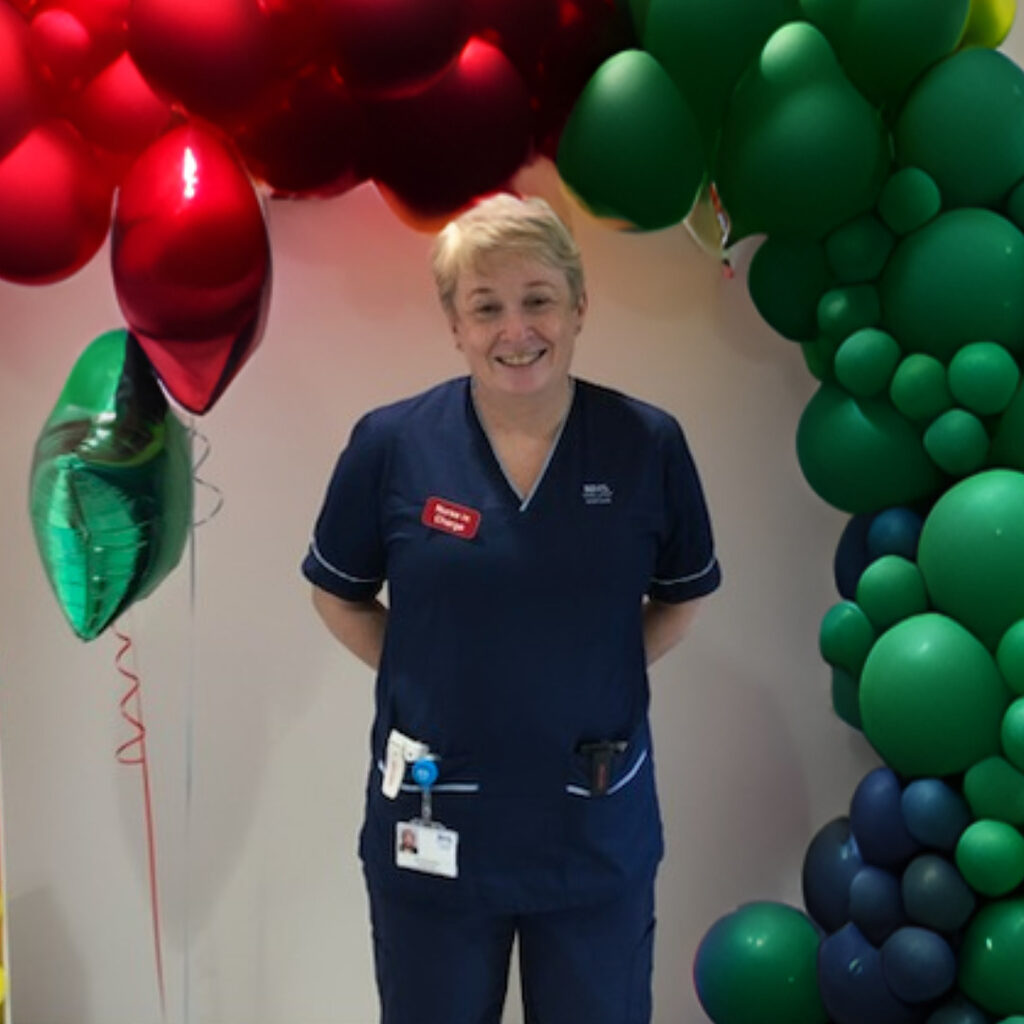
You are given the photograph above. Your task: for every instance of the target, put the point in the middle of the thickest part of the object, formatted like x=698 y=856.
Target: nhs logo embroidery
x=597 y=494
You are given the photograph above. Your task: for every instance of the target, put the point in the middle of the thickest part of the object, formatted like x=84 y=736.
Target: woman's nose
x=514 y=325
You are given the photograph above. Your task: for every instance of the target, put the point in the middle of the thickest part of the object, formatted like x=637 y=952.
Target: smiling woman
x=564 y=524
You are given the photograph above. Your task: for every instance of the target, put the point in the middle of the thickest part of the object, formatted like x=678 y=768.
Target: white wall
x=751 y=759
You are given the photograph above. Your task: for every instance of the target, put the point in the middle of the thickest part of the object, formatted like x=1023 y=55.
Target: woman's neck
x=537 y=415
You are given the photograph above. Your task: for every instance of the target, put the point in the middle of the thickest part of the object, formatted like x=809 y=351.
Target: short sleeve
x=346 y=554
x=686 y=565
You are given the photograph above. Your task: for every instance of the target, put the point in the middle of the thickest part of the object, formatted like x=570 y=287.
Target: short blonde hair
x=504 y=223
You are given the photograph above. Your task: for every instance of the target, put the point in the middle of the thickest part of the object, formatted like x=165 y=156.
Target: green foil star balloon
x=110 y=487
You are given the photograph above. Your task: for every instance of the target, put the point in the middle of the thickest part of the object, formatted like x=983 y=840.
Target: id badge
x=430 y=849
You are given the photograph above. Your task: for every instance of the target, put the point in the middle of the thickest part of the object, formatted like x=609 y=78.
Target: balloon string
x=205 y=448
x=133 y=752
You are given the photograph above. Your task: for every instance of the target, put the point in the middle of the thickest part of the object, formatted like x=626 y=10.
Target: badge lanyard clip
x=424 y=774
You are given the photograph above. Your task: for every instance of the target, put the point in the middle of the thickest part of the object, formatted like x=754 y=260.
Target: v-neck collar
x=524 y=500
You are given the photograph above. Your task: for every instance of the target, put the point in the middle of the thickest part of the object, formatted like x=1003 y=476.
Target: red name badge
x=447 y=516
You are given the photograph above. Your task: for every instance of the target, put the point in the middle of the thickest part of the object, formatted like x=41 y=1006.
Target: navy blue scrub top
x=507 y=650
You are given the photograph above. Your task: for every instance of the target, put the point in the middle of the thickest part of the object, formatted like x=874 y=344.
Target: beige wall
x=751 y=759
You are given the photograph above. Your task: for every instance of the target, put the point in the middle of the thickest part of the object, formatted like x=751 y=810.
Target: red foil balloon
x=54 y=205
x=307 y=139
x=191 y=263
x=20 y=104
x=461 y=137
x=214 y=56
x=389 y=46
x=118 y=111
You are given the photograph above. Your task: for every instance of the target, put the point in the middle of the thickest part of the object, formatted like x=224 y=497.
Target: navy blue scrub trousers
x=584 y=965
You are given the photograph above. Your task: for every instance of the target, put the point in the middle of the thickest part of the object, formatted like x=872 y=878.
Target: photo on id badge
x=430 y=849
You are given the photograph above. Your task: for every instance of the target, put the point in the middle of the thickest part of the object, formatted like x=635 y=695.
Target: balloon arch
x=878 y=144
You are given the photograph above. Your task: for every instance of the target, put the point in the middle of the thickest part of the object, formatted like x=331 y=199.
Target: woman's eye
x=486 y=309
x=537 y=301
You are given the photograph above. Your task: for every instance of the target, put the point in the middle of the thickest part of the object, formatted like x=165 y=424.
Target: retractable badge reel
x=424 y=774
x=423 y=844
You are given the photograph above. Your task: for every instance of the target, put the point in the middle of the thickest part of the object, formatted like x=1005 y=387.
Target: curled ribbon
x=133 y=752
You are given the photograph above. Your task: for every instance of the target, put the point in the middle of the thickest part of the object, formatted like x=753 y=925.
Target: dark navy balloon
x=876 y=903
x=894 y=532
x=935 y=894
x=876 y=820
x=852 y=985
x=958 y=1011
x=831 y=861
x=851 y=557
x=935 y=813
x=918 y=964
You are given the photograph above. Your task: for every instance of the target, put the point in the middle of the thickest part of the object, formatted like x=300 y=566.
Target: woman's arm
x=359 y=625
x=665 y=625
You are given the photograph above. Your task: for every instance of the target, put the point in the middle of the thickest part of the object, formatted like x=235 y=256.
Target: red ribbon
x=133 y=752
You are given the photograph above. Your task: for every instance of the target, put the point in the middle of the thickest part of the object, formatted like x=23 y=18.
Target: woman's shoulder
x=413 y=411
x=626 y=412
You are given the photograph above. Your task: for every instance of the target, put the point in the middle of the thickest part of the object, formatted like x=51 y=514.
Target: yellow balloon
x=988 y=22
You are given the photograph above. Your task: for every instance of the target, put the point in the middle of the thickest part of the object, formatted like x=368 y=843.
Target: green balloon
x=758 y=965
x=818 y=358
x=1007 y=448
x=995 y=789
x=1015 y=206
x=858 y=250
x=860 y=455
x=883 y=46
x=865 y=362
x=958 y=442
x=964 y=125
x=931 y=697
x=990 y=856
x=1010 y=657
x=1012 y=733
x=956 y=281
x=971 y=553
x=845 y=698
x=891 y=589
x=983 y=377
x=842 y=311
x=909 y=199
x=787 y=278
x=630 y=148
x=110 y=486
x=991 y=955
x=801 y=151
x=846 y=636
x=706 y=44
x=919 y=388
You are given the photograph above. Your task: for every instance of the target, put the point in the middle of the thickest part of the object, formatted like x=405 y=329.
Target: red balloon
x=54 y=205
x=519 y=29
x=588 y=33
x=308 y=137
x=20 y=99
x=191 y=263
x=214 y=56
x=299 y=35
x=390 y=46
x=73 y=39
x=461 y=137
x=118 y=111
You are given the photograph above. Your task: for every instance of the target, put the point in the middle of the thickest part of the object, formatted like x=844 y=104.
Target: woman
x=543 y=540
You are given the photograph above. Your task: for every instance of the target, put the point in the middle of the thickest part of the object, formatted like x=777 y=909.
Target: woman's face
x=516 y=322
